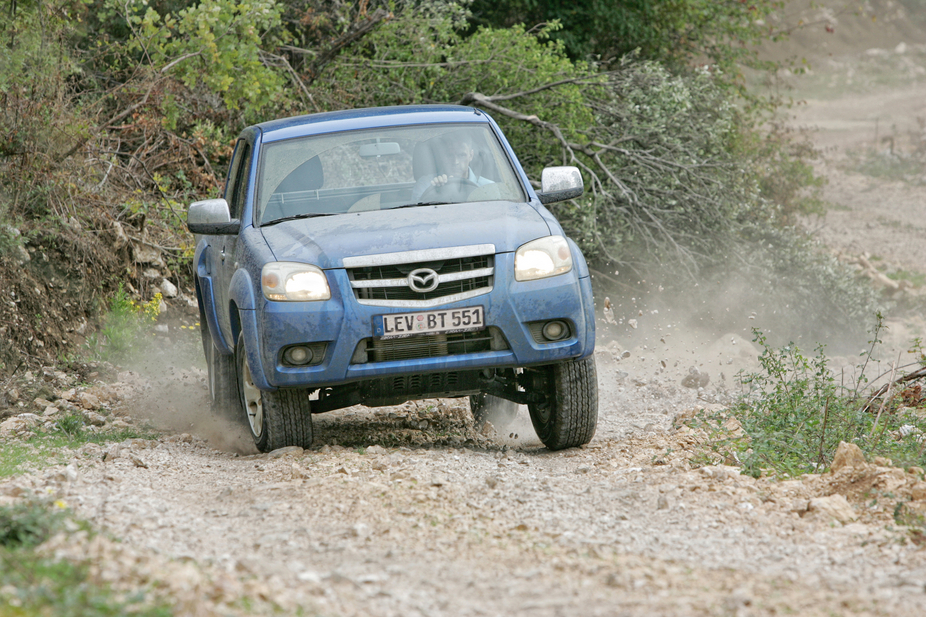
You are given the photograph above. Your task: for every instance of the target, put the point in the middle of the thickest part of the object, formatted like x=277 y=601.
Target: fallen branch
x=918 y=374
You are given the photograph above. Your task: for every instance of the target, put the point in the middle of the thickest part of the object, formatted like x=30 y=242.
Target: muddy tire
x=487 y=408
x=569 y=416
x=275 y=419
x=223 y=379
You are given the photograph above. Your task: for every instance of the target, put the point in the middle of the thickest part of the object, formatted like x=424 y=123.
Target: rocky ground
x=447 y=521
x=408 y=510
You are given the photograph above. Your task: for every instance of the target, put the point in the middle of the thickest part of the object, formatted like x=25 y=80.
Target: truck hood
x=326 y=241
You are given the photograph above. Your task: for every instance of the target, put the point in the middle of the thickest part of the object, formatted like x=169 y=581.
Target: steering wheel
x=454 y=190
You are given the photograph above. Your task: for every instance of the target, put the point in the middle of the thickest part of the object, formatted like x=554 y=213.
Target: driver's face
x=458 y=155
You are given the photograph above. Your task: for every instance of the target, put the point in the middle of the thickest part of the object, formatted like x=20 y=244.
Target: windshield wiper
x=296 y=217
x=423 y=203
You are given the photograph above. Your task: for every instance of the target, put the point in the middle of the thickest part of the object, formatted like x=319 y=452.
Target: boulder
x=847 y=455
x=833 y=507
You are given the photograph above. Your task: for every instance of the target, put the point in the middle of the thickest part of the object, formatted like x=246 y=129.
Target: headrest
x=306 y=177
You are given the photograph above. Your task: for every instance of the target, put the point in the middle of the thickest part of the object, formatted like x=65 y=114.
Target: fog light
x=298 y=355
x=555 y=330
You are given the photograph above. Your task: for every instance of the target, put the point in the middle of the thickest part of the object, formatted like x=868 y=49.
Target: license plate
x=429 y=322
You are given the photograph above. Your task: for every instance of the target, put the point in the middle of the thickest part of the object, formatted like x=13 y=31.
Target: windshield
x=379 y=169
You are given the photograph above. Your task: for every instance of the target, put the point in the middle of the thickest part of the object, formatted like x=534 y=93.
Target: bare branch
x=354 y=34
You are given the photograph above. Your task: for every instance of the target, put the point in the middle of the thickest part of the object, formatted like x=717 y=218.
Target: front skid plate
x=401 y=388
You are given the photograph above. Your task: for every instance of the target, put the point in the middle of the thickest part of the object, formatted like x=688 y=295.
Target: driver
x=452 y=160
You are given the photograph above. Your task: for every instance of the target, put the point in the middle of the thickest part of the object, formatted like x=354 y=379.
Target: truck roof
x=365 y=118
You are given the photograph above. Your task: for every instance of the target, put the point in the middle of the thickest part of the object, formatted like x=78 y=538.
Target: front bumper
x=343 y=323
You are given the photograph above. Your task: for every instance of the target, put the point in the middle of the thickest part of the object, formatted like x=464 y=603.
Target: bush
x=799 y=410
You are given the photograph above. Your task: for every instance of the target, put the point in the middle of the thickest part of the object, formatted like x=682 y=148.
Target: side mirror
x=559 y=184
x=211 y=218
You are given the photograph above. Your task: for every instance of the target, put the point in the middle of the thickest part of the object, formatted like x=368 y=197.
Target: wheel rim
x=252 y=402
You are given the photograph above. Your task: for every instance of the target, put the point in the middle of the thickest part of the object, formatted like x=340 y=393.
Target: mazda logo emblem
x=423 y=280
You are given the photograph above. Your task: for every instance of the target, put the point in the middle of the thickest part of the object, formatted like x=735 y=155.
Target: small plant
x=33 y=584
x=798 y=412
x=123 y=325
x=71 y=425
x=26 y=525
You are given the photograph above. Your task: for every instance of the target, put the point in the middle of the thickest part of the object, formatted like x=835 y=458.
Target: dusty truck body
x=376 y=256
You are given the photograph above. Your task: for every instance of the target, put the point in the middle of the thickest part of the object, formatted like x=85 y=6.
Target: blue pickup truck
x=376 y=256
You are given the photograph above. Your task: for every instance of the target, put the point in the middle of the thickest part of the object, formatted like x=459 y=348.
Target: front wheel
x=568 y=416
x=276 y=419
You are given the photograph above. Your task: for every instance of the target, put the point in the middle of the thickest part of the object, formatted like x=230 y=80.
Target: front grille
x=459 y=278
x=429 y=346
x=407 y=293
x=398 y=271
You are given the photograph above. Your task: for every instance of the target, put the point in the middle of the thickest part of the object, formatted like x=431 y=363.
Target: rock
x=733 y=426
x=847 y=455
x=94 y=418
x=609 y=312
x=13 y=425
x=375 y=450
x=145 y=254
x=151 y=274
x=42 y=403
x=112 y=453
x=168 y=289
x=287 y=451
x=834 y=507
x=121 y=239
x=88 y=401
x=695 y=379
x=918 y=492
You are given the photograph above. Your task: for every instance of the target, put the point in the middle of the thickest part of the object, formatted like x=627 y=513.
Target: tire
x=276 y=419
x=487 y=408
x=223 y=378
x=569 y=416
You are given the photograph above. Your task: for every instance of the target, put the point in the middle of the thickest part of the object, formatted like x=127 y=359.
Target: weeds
x=69 y=432
x=34 y=584
x=124 y=324
x=798 y=411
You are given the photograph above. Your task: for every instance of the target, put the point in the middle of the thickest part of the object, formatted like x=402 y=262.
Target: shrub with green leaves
x=799 y=410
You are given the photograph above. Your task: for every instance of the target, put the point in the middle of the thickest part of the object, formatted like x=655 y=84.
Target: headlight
x=542 y=258
x=293 y=282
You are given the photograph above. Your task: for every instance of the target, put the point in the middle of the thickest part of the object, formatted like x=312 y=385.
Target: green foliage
x=36 y=121
x=674 y=32
x=215 y=44
x=35 y=584
x=799 y=411
x=124 y=324
x=28 y=524
x=50 y=447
